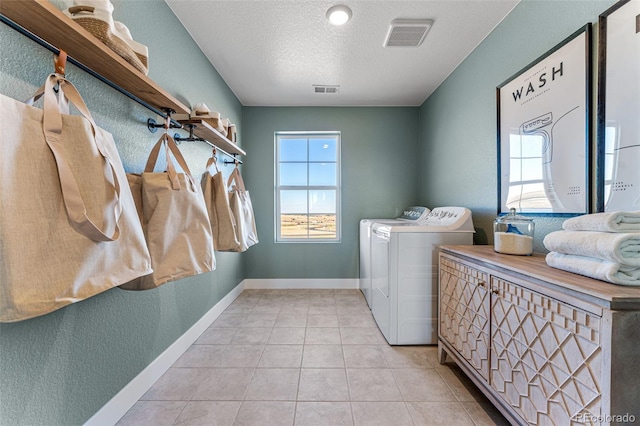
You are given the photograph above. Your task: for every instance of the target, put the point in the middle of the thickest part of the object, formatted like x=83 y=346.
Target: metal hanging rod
x=83 y=67
x=193 y=138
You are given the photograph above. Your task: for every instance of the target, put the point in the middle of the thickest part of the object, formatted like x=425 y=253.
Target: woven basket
x=141 y=51
x=101 y=30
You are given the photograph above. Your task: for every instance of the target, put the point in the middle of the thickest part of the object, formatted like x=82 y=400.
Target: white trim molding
x=306 y=283
x=122 y=402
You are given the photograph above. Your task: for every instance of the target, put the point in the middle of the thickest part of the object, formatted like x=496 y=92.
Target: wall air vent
x=407 y=32
x=325 y=89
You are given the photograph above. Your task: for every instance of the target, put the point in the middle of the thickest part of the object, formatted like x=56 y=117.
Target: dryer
x=404 y=274
x=411 y=214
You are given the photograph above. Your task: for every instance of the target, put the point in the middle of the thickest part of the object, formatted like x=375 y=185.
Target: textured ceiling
x=272 y=52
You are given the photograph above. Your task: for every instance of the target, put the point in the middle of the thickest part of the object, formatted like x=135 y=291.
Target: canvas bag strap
x=170 y=146
x=72 y=198
x=59 y=66
x=63 y=101
x=153 y=159
x=235 y=175
x=173 y=147
x=213 y=161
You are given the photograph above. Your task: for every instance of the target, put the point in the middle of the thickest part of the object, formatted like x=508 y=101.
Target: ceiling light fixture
x=339 y=15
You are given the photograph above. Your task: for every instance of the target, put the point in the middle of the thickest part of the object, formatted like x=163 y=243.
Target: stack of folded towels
x=604 y=246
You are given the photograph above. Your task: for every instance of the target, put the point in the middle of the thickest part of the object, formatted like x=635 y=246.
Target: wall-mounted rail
x=42 y=22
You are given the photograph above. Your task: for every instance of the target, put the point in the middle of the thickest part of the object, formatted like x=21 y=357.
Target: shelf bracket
x=153 y=126
x=235 y=160
x=193 y=138
x=190 y=138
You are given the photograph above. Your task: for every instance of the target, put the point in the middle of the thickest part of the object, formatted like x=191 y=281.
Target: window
x=529 y=179
x=307 y=187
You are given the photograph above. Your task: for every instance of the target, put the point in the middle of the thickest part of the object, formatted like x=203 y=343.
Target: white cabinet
x=547 y=347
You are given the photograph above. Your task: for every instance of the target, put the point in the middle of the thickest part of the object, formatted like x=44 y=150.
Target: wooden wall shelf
x=51 y=25
x=204 y=130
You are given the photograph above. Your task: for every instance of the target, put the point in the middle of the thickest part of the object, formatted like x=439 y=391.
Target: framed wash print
x=618 y=172
x=544 y=132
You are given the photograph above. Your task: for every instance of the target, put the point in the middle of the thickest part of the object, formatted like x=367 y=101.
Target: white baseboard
x=122 y=402
x=118 y=406
x=306 y=283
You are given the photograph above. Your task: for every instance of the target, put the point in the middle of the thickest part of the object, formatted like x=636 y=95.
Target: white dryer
x=404 y=274
x=411 y=214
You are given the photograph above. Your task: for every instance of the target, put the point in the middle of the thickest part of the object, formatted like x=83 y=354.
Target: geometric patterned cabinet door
x=464 y=312
x=546 y=358
x=547 y=347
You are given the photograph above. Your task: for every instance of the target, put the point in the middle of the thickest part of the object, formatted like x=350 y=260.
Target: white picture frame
x=618 y=171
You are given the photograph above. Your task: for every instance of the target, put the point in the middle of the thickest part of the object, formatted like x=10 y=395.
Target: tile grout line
x=253 y=373
x=268 y=303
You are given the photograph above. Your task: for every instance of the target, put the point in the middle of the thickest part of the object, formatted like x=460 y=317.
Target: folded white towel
x=595 y=268
x=621 y=248
x=605 y=222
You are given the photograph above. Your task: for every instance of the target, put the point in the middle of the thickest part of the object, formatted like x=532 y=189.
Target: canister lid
x=513 y=217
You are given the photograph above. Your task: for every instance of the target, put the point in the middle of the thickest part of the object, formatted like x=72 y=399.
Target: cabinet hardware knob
x=495 y=291
x=481 y=284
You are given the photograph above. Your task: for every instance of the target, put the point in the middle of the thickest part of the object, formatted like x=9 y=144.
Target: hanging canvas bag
x=216 y=197
x=242 y=211
x=68 y=224
x=174 y=219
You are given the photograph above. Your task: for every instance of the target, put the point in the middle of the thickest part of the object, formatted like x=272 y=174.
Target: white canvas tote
x=216 y=197
x=174 y=219
x=68 y=224
x=242 y=211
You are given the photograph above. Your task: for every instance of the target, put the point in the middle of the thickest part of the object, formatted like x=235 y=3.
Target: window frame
x=278 y=136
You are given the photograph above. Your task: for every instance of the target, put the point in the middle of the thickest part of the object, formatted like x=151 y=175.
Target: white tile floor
x=308 y=357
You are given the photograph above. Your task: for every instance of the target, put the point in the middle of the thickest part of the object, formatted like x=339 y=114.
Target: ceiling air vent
x=325 y=89
x=407 y=32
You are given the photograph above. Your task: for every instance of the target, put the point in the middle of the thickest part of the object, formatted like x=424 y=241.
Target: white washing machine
x=404 y=273
x=412 y=214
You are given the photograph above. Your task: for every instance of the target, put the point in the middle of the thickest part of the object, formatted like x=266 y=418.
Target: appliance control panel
x=452 y=217
x=416 y=213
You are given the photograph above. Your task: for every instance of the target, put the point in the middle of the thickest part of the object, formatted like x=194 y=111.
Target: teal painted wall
x=62 y=367
x=379 y=178
x=458 y=121
x=59 y=369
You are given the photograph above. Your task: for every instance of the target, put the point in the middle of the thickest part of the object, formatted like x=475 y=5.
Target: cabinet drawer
x=546 y=358
x=464 y=312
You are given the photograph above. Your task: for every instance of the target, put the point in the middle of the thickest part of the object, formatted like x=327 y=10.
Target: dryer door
x=380 y=304
x=365 y=259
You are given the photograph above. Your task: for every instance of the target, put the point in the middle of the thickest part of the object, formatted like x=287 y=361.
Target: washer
x=411 y=214
x=404 y=273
